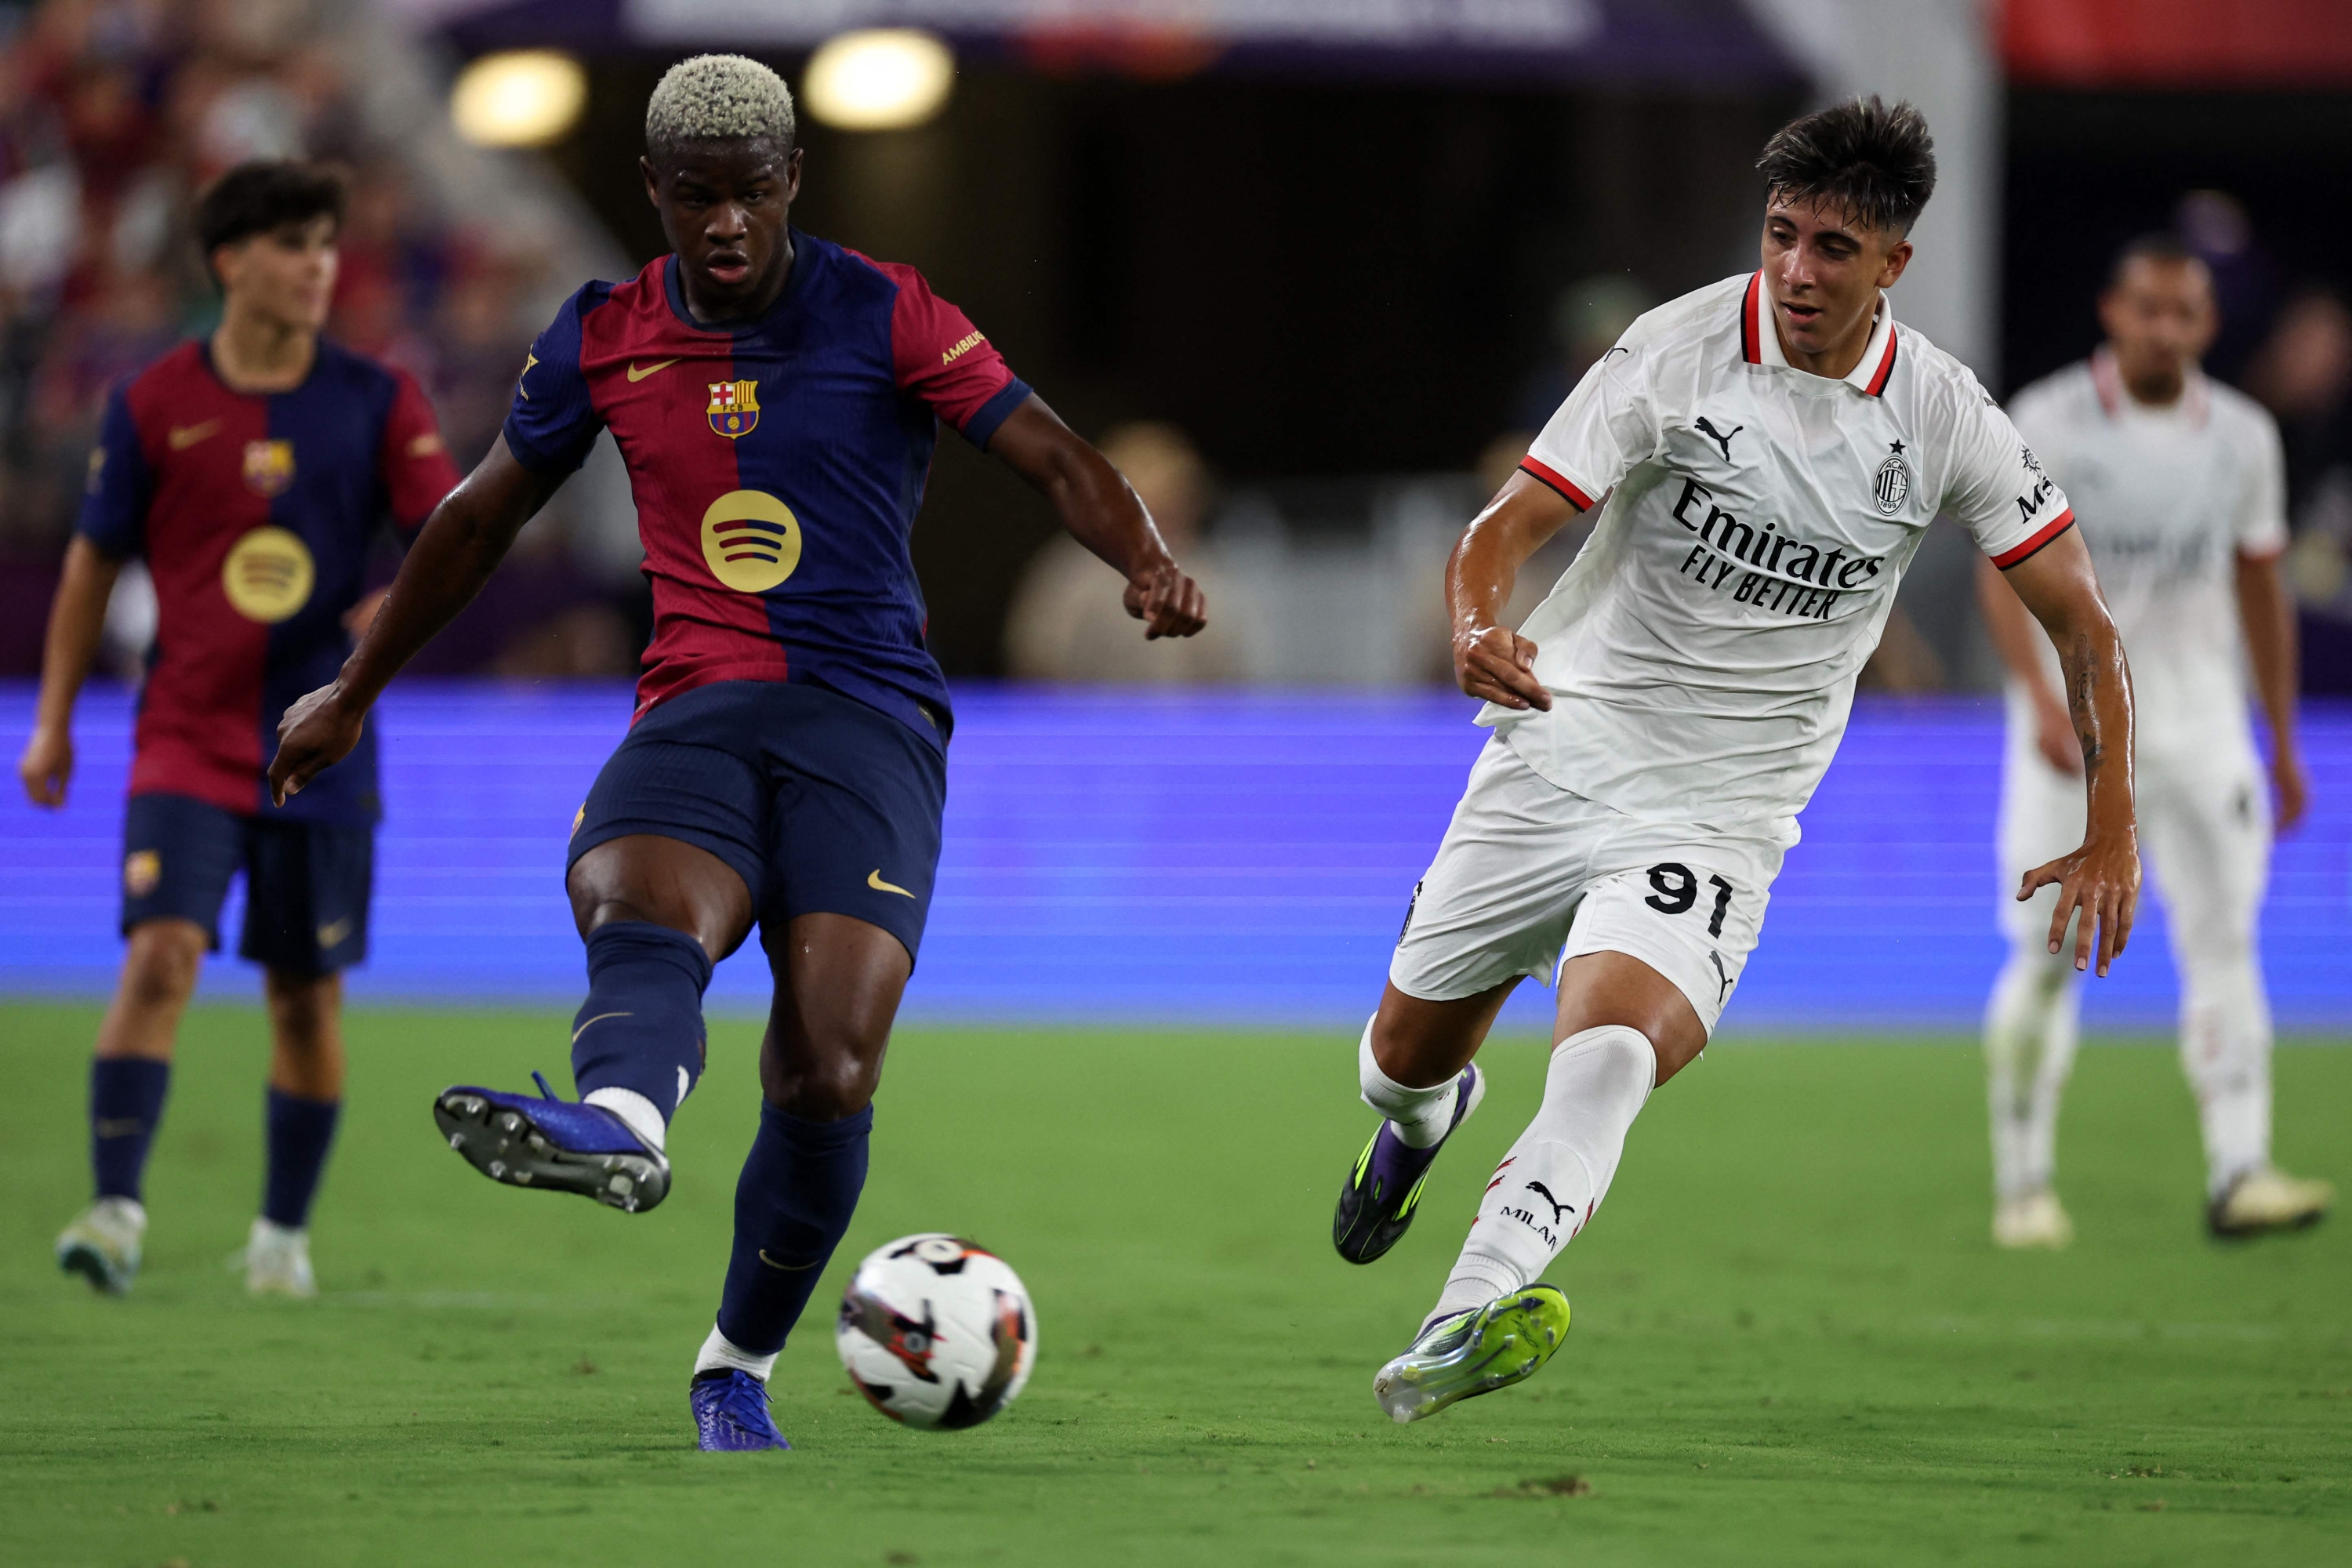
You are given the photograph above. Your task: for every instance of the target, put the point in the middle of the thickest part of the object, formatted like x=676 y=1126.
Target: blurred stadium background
x=1312 y=269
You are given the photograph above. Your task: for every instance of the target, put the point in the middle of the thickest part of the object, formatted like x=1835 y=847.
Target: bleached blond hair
x=718 y=97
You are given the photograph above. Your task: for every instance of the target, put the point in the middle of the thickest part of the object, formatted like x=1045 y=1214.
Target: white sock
x=1420 y=1116
x=718 y=1352
x=634 y=1109
x=2031 y=1026
x=2225 y=1049
x=1549 y=1186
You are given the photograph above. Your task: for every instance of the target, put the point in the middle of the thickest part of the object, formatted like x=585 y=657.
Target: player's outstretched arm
x=2101 y=880
x=1102 y=513
x=77 y=617
x=2012 y=631
x=461 y=544
x=1490 y=660
x=2268 y=615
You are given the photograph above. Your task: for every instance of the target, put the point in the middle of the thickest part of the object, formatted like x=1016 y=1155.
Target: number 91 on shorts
x=1530 y=875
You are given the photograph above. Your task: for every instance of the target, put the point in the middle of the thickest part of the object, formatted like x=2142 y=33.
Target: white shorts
x=2204 y=824
x=1530 y=875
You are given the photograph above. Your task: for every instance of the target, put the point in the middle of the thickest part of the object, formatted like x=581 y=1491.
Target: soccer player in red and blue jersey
x=776 y=399
x=251 y=469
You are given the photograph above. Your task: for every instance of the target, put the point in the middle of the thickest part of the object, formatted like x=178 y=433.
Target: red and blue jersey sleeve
x=122 y=484
x=412 y=463
x=938 y=356
x=553 y=422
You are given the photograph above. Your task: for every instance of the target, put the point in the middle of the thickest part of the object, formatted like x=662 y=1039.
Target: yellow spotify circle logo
x=267 y=576
x=751 y=540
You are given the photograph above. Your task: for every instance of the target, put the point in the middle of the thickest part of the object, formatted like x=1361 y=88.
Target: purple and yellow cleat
x=1377 y=1205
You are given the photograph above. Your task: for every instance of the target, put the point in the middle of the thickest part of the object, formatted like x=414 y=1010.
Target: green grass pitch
x=1792 y=1342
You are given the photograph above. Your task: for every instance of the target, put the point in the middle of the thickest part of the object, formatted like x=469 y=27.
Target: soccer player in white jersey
x=2179 y=487
x=1766 y=453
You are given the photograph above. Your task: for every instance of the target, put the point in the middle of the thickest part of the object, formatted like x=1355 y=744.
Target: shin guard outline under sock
x=2225 y=1051
x=1420 y=1116
x=641 y=1027
x=2031 y=1026
x=126 y=1104
x=299 y=1133
x=792 y=1203
x=1553 y=1180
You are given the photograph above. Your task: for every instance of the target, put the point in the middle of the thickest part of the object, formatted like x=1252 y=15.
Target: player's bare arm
x=2013 y=634
x=2268 y=615
x=2101 y=880
x=1102 y=511
x=1491 y=660
x=77 y=617
x=461 y=544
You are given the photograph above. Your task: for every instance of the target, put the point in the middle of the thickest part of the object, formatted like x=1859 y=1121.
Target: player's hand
x=2054 y=737
x=1498 y=664
x=1168 y=603
x=2289 y=787
x=2101 y=880
x=362 y=615
x=48 y=765
x=317 y=732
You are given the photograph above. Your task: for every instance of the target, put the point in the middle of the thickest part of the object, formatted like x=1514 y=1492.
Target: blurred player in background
x=251 y=470
x=776 y=398
x=2179 y=487
x=1766 y=454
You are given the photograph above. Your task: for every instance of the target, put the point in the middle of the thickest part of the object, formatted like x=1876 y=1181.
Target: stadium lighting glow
x=881 y=78
x=521 y=97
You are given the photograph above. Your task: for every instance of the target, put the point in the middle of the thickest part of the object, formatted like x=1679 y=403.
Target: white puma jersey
x=1702 y=649
x=2168 y=499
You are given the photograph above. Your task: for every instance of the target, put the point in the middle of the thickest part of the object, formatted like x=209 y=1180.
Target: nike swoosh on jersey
x=186 y=435
x=874 y=880
x=638 y=372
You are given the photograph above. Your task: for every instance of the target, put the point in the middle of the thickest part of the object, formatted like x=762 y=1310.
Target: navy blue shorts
x=821 y=804
x=306 y=883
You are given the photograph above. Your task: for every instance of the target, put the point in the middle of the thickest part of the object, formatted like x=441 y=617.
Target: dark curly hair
x=1876 y=162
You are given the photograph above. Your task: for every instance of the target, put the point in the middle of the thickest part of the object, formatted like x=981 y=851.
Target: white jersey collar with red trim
x=1760 y=344
x=2194 y=403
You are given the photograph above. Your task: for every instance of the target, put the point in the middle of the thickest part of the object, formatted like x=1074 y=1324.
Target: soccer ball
x=936 y=1332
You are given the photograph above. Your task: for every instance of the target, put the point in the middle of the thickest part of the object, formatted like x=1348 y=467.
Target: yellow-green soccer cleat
x=1470 y=1354
x=103 y=1243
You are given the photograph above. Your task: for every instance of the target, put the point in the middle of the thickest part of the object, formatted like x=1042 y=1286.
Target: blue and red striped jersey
x=255 y=512
x=777 y=466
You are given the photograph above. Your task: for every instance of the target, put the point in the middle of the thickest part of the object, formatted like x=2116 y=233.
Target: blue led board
x=1156 y=859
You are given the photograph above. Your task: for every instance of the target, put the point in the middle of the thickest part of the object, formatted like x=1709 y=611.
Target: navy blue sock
x=641 y=1027
x=300 y=1131
x=799 y=1187
x=126 y=1101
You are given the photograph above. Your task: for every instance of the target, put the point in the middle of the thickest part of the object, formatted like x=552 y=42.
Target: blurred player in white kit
x=2179 y=491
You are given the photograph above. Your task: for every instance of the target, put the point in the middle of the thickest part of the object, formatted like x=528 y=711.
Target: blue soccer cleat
x=1383 y=1190
x=558 y=1145
x=731 y=1414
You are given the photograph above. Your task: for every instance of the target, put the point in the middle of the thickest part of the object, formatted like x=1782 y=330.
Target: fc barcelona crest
x=734 y=407
x=268 y=467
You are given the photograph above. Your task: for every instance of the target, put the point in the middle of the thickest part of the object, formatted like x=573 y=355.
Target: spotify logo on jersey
x=751 y=540
x=267 y=576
